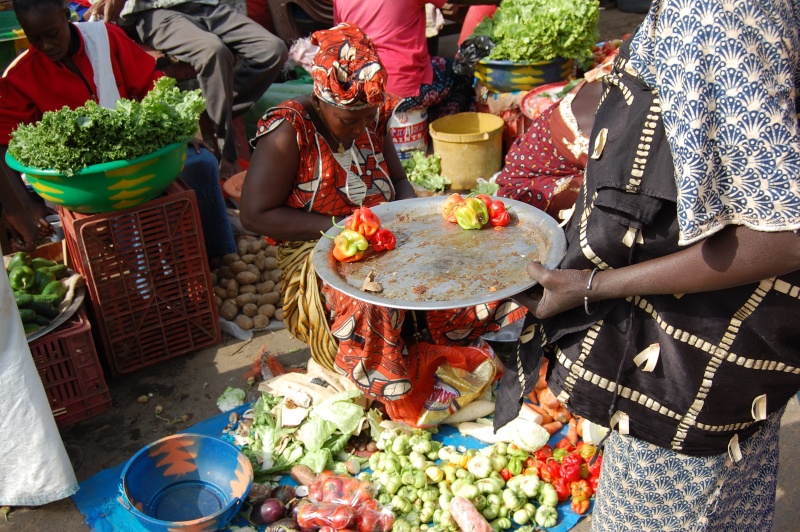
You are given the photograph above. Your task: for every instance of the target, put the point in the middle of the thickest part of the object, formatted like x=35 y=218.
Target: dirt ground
x=189 y=385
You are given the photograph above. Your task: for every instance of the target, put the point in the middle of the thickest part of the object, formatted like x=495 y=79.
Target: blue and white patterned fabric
x=646 y=487
x=726 y=73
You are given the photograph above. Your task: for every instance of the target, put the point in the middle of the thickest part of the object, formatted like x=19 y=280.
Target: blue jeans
x=201 y=173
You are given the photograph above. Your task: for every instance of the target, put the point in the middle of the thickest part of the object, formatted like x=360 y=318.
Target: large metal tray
x=438 y=265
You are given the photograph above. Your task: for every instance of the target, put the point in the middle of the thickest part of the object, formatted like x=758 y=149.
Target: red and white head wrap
x=347 y=72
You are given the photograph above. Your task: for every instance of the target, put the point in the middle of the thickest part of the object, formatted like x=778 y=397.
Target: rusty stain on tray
x=437 y=264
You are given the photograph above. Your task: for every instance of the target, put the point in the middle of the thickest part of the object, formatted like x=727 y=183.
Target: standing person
x=35 y=469
x=671 y=318
x=324 y=155
x=94 y=61
x=212 y=37
x=397 y=27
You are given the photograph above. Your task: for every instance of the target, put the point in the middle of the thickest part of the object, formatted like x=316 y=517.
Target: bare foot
x=228 y=168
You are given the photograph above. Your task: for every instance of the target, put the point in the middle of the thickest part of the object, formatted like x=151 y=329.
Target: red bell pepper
x=594 y=482
x=349 y=246
x=565 y=444
x=383 y=240
x=550 y=471
x=594 y=468
x=571 y=468
x=449 y=207
x=498 y=214
x=363 y=221
x=487 y=199
x=562 y=489
x=544 y=453
x=505 y=474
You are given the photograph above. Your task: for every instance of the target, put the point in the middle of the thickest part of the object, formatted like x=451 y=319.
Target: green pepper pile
x=418 y=476
x=38 y=289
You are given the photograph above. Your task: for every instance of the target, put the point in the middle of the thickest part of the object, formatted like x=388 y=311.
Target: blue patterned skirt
x=644 y=487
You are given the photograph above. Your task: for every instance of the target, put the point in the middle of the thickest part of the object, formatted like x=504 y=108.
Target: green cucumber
x=45 y=309
x=23 y=300
x=28 y=315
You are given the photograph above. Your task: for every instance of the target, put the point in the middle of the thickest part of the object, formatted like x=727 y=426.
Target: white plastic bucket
x=409 y=130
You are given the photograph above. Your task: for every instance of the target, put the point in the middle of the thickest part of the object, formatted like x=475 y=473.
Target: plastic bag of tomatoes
x=341 y=489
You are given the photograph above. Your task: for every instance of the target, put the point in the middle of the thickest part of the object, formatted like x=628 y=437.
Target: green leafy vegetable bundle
x=541 y=30
x=426 y=171
x=68 y=140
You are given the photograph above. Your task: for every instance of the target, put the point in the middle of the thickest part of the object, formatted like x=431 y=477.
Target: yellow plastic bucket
x=471 y=146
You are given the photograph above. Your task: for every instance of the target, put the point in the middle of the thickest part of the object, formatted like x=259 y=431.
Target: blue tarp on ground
x=97 y=497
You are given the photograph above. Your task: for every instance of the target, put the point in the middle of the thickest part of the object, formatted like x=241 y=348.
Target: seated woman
x=545 y=165
x=323 y=155
x=93 y=61
x=398 y=28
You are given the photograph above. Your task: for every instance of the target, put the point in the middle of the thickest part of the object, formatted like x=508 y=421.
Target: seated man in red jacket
x=69 y=64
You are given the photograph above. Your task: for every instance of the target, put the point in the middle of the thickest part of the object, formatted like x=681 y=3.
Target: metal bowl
x=438 y=265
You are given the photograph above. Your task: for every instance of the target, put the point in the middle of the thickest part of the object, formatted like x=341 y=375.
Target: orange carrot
x=546 y=418
x=541 y=384
x=572 y=431
x=553 y=427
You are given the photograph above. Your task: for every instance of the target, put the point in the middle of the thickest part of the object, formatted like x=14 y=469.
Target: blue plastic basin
x=186 y=482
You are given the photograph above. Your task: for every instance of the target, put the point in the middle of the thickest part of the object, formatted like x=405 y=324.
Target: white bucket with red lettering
x=409 y=130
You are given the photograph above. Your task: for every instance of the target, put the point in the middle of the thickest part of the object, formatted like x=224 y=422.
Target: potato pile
x=247 y=285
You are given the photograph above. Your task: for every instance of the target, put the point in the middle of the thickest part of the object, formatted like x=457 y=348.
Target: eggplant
x=286 y=524
x=285 y=494
x=267 y=512
x=258 y=492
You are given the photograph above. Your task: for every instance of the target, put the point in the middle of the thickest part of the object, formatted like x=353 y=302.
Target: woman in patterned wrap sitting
x=672 y=318
x=323 y=155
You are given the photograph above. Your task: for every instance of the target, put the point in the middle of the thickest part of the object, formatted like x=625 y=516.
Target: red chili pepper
x=498 y=214
x=571 y=468
x=580 y=489
x=363 y=221
x=383 y=240
x=506 y=474
x=544 y=453
x=579 y=505
x=562 y=489
x=349 y=246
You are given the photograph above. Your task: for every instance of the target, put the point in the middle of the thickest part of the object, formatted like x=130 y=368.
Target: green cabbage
x=541 y=30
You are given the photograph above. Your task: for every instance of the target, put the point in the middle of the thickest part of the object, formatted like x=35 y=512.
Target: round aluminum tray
x=438 y=265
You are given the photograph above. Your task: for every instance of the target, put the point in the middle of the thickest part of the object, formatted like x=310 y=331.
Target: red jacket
x=33 y=84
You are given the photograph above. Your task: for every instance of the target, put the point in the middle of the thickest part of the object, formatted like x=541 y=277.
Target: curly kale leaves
x=68 y=140
x=541 y=30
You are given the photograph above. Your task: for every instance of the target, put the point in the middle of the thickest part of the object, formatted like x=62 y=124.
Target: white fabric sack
x=95 y=42
x=35 y=468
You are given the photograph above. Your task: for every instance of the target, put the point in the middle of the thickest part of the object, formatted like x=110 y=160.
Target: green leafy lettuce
x=426 y=171
x=68 y=140
x=541 y=30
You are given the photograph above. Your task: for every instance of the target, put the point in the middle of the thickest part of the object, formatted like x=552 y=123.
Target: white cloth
x=35 y=468
x=95 y=42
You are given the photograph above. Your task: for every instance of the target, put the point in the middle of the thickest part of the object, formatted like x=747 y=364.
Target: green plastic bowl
x=111 y=186
x=501 y=75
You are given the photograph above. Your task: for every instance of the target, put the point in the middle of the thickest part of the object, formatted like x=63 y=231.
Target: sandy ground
x=189 y=385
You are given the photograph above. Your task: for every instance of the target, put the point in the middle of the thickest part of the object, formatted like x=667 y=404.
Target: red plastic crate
x=148 y=279
x=71 y=372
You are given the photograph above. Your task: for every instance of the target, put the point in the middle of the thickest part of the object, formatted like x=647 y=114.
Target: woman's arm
x=15 y=212
x=268 y=183
x=733 y=257
x=402 y=186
